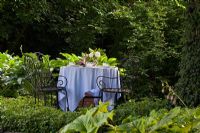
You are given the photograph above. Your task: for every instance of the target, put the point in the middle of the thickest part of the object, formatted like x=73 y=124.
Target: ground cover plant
x=177 y=120
x=139 y=108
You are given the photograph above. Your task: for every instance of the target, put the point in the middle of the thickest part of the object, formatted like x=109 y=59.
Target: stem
x=180 y=100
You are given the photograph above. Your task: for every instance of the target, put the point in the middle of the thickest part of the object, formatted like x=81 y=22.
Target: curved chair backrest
x=37 y=73
x=31 y=66
x=40 y=77
x=107 y=82
x=62 y=81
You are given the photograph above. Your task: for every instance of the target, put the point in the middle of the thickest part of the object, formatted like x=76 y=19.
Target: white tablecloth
x=83 y=79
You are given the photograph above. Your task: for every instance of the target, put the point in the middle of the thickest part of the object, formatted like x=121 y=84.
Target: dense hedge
x=22 y=115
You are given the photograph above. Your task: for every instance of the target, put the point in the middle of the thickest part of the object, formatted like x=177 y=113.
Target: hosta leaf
x=128 y=119
x=57 y=63
x=91 y=50
x=91 y=121
x=139 y=125
x=66 y=55
x=126 y=128
x=103 y=58
x=111 y=60
x=195 y=125
x=103 y=107
x=167 y=119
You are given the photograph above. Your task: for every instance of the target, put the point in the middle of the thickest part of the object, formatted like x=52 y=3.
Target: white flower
x=91 y=55
x=105 y=64
x=71 y=63
x=19 y=80
x=97 y=54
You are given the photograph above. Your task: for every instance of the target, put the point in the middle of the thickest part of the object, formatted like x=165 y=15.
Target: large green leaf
x=167 y=119
x=91 y=121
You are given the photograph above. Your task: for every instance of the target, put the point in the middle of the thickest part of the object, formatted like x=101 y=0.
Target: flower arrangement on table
x=95 y=57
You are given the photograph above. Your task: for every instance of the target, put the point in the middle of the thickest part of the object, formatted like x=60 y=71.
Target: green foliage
x=153 y=45
x=76 y=25
x=57 y=63
x=23 y=115
x=188 y=86
x=99 y=57
x=70 y=57
x=138 y=108
x=176 y=120
x=22 y=14
x=91 y=121
x=12 y=72
x=85 y=57
x=171 y=95
x=13 y=75
x=145 y=34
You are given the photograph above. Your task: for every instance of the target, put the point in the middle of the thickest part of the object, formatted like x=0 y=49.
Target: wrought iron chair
x=107 y=85
x=40 y=78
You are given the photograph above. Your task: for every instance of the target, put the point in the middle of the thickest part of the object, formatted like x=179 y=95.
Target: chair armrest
x=62 y=81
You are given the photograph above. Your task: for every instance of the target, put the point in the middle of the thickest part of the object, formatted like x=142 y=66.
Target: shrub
x=153 y=49
x=11 y=74
x=22 y=115
x=138 y=108
x=177 y=120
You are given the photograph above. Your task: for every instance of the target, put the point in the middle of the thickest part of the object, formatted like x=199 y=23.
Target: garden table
x=82 y=80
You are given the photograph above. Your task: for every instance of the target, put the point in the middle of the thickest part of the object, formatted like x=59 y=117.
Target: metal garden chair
x=108 y=87
x=41 y=81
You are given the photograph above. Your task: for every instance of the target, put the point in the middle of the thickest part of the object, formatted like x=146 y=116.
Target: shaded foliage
x=189 y=82
x=144 y=34
x=11 y=74
x=154 y=46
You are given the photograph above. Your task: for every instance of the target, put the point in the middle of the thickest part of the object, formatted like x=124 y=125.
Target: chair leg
x=126 y=97
x=115 y=100
x=57 y=103
x=66 y=108
x=67 y=102
x=101 y=96
x=83 y=102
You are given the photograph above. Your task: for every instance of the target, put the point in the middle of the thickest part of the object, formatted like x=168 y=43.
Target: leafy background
x=145 y=36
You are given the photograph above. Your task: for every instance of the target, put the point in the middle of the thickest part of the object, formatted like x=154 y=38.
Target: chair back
x=43 y=84
x=31 y=65
x=104 y=82
x=37 y=70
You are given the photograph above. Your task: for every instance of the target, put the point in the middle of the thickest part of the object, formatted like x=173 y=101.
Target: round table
x=82 y=80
